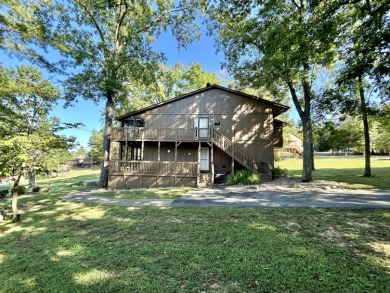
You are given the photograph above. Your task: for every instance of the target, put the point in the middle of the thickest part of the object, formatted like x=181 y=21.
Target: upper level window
x=202 y=127
x=134 y=122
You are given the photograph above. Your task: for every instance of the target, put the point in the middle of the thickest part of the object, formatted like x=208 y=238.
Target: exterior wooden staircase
x=242 y=157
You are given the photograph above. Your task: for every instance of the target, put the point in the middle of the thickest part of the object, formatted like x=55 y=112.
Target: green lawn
x=70 y=247
x=345 y=169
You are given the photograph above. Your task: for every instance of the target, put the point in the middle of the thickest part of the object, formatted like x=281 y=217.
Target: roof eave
x=278 y=108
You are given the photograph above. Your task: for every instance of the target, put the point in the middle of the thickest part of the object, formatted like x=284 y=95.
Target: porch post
x=158 y=157
x=176 y=151
x=212 y=163
x=233 y=154
x=198 y=171
x=142 y=148
x=126 y=146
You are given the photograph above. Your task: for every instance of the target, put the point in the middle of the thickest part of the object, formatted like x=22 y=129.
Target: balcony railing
x=153 y=167
x=163 y=134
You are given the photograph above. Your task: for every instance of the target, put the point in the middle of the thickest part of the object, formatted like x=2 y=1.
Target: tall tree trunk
x=307 y=151
x=31 y=180
x=15 y=212
x=305 y=120
x=109 y=113
x=363 y=109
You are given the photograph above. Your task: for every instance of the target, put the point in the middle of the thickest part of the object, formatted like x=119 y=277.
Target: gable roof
x=278 y=108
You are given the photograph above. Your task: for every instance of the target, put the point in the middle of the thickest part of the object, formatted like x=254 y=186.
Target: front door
x=202 y=127
x=204 y=159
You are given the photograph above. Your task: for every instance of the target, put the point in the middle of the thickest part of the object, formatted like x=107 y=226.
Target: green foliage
x=169 y=82
x=28 y=135
x=110 y=43
x=22 y=189
x=95 y=142
x=346 y=135
x=36 y=189
x=79 y=183
x=244 y=177
x=3 y=193
x=279 y=172
x=24 y=30
x=278 y=45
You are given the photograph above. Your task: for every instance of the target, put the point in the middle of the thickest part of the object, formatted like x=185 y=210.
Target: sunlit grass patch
x=92 y=277
x=74 y=247
x=349 y=171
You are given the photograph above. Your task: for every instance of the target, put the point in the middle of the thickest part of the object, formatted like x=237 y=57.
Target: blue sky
x=90 y=114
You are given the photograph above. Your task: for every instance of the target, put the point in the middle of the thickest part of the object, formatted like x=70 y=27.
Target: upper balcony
x=160 y=134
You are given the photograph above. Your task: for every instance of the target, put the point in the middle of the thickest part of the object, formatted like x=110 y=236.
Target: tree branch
x=95 y=23
x=159 y=18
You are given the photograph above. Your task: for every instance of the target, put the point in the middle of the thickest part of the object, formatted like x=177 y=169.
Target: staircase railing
x=234 y=151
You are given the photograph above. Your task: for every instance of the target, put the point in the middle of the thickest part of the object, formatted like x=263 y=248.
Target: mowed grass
x=71 y=247
x=345 y=169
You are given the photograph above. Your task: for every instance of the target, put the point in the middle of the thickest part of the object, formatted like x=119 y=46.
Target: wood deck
x=153 y=167
x=160 y=134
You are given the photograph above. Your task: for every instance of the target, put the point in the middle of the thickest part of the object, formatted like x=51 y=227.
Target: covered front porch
x=160 y=164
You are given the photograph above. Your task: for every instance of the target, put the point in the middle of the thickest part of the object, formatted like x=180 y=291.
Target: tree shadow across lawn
x=78 y=247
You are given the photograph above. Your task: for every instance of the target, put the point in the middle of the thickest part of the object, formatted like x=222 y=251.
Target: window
x=134 y=122
x=202 y=125
x=136 y=154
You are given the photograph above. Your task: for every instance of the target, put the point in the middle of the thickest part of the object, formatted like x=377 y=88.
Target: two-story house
x=194 y=139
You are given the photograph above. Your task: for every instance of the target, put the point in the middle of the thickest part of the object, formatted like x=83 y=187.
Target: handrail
x=153 y=167
x=234 y=151
x=174 y=134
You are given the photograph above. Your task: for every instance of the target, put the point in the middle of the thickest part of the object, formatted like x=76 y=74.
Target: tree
x=339 y=136
x=109 y=43
x=24 y=31
x=95 y=143
x=277 y=45
x=169 y=82
x=27 y=134
x=365 y=59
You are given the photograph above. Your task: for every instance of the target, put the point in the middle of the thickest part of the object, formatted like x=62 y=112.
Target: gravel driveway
x=246 y=197
x=321 y=199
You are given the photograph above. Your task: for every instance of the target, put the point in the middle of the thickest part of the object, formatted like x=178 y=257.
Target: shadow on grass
x=76 y=247
x=60 y=246
x=352 y=177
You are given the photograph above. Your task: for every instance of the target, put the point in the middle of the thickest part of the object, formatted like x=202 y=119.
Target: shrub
x=245 y=177
x=79 y=183
x=3 y=193
x=278 y=172
x=36 y=189
x=22 y=189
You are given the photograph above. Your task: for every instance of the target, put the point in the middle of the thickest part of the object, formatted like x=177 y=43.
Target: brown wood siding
x=222 y=161
x=248 y=122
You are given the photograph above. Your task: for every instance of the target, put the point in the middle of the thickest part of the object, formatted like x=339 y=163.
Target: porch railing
x=163 y=134
x=153 y=167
